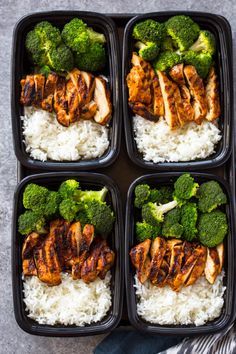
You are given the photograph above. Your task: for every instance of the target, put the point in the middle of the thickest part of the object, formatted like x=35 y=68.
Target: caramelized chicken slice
x=79 y=84
x=75 y=238
x=220 y=250
x=157 y=251
x=162 y=274
x=140 y=259
x=198 y=93
x=39 y=82
x=103 y=101
x=31 y=241
x=27 y=90
x=59 y=230
x=186 y=98
x=199 y=266
x=143 y=111
x=212 y=266
x=49 y=89
x=212 y=96
x=29 y=267
x=177 y=74
x=139 y=86
x=60 y=102
x=89 y=110
x=145 y=65
x=89 y=270
x=180 y=107
x=175 y=263
x=90 y=85
x=168 y=89
x=158 y=103
x=72 y=97
x=105 y=261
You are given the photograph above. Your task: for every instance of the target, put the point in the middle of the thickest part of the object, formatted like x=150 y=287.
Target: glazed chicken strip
x=39 y=82
x=220 y=250
x=186 y=99
x=29 y=268
x=27 y=90
x=90 y=85
x=60 y=102
x=176 y=249
x=50 y=87
x=177 y=74
x=80 y=85
x=157 y=251
x=158 y=103
x=89 y=270
x=143 y=111
x=89 y=110
x=105 y=261
x=199 y=266
x=198 y=93
x=212 y=96
x=72 y=97
x=31 y=241
x=59 y=230
x=103 y=101
x=168 y=92
x=141 y=260
x=212 y=266
x=180 y=107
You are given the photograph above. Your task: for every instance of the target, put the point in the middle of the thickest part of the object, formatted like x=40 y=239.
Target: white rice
x=158 y=143
x=71 y=303
x=45 y=138
x=195 y=304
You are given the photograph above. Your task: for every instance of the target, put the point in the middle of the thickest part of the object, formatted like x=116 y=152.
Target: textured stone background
x=12 y=338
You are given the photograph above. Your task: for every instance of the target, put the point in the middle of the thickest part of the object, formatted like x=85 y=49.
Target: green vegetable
x=210 y=196
x=212 y=228
x=67 y=188
x=154 y=214
x=145 y=231
x=45 y=70
x=100 y=215
x=166 y=60
x=142 y=194
x=31 y=221
x=86 y=196
x=96 y=37
x=51 y=207
x=183 y=30
x=149 y=31
x=171 y=225
x=184 y=188
x=93 y=60
x=61 y=58
x=68 y=209
x=188 y=220
x=165 y=195
x=75 y=36
x=205 y=43
x=147 y=51
x=168 y=45
x=34 y=196
x=201 y=61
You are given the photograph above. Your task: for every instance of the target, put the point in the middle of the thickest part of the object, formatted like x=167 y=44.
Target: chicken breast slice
x=212 y=266
x=212 y=96
x=103 y=101
x=158 y=103
x=157 y=251
x=27 y=90
x=89 y=110
x=90 y=85
x=39 y=82
x=140 y=259
x=220 y=250
x=177 y=74
x=139 y=86
x=186 y=99
x=199 y=266
x=143 y=111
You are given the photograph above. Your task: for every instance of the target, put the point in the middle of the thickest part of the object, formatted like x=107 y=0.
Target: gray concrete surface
x=12 y=338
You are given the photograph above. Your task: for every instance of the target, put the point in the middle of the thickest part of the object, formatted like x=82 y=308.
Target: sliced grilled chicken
x=89 y=110
x=177 y=74
x=39 y=82
x=103 y=101
x=199 y=266
x=105 y=261
x=180 y=107
x=89 y=270
x=168 y=92
x=198 y=93
x=29 y=268
x=90 y=85
x=212 y=96
x=31 y=241
x=80 y=85
x=143 y=111
x=73 y=101
x=59 y=230
x=157 y=251
x=220 y=250
x=212 y=265
x=141 y=260
x=186 y=99
x=175 y=264
x=50 y=87
x=158 y=103
x=60 y=102
x=27 y=90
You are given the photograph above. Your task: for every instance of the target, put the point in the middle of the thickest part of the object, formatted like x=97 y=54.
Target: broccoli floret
x=171 y=225
x=168 y=45
x=210 y=196
x=142 y=193
x=185 y=188
x=34 y=196
x=145 y=231
x=100 y=215
x=51 y=207
x=85 y=196
x=96 y=37
x=154 y=214
x=166 y=60
x=212 y=228
x=149 y=31
x=183 y=30
x=31 y=221
x=75 y=35
x=93 y=60
x=201 y=61
x=205 y=43
x=45 y=70
x=67 y=188
x=189 y=220
x=147 y=51
x=68 y=209
x=61 y=58
x=165 y=195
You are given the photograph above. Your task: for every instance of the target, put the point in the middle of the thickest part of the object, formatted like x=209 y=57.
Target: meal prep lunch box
x=220 y=27
x=228 y=311
x=115 y=241
x=21 y=67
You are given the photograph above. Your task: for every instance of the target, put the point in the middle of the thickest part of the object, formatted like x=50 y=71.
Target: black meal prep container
x=21 y=66
x=221 y=29
x=115 y=240
x=228 y=313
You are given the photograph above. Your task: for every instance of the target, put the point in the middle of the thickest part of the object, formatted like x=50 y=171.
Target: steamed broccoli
x=85 y=196
x=145 y=231
x=31 y=221
x=93 y=60
x=51 y=207
x=165 y=195
x=201 y=61
x=171 y=225
x=75 y=36
x=67 y=188
x=96 y=37
x=212 y=228
x=45 y=70
x=185 y=188
x=142 y=194
x=34 y=196
x=183 y=30
x=205 y=43
x=147 y=51
x=168 y=45
x=154 y=214
x=210 y=196
x=188 y=220
x=68 y=209
x=166 y=60
x=149 y=31
x=61 y=58
x=100 y=215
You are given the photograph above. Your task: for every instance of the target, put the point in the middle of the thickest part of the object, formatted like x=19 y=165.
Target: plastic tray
x=53 y=180
x=228 y=314
x=21 y=65
x=220 y=27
